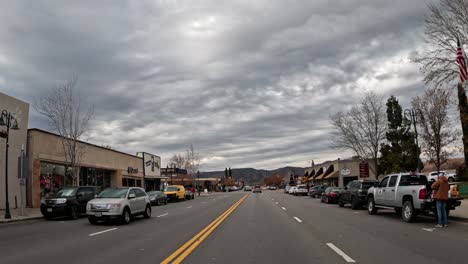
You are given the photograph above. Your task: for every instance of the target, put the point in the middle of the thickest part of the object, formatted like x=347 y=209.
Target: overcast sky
x=249 y=83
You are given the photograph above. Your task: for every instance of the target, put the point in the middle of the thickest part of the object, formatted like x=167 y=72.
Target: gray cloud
x=249 y=83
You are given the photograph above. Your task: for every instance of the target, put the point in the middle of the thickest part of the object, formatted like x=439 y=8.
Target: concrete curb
x=16 y=220
x=458 y=219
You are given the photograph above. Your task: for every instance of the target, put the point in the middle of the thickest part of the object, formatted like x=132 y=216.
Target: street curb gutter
x=9 y=221
x=458 y=219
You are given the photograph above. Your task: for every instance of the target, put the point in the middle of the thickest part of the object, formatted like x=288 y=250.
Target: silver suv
x=119 y=203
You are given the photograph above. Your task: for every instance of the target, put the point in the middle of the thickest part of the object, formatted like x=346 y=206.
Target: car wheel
x=92 y=220
x=126 y=216
x=408 y=212
x=165 y=202
x=340 y=202
x=354 y=203
x=371 y=209
x=74 y=213
x=147 y=213
x=158 y=203
x=451 y=179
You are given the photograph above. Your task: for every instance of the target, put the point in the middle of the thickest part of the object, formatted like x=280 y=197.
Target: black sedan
x=157 y=197
x=69 y=201
x=330 y=195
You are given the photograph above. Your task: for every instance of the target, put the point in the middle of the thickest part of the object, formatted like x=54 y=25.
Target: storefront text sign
x=364 y=169
x=132 y=170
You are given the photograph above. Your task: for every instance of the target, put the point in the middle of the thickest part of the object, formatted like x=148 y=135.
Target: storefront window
x=95 y=177
x=129 y=182
x=53 y=177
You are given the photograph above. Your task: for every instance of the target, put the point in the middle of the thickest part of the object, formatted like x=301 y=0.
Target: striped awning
x=332 y=175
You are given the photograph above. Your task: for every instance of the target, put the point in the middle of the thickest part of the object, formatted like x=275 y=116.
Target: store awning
x=320 y=177
x=332 y=175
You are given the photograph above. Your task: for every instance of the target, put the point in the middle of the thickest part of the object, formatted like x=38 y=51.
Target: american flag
x=461 y=62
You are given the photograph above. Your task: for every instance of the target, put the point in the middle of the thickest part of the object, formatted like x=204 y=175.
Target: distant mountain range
x=251 y=176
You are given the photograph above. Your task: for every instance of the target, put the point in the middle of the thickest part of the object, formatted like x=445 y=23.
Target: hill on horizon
x=251 y=175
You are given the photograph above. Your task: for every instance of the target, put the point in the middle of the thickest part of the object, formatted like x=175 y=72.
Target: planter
x=463 y=189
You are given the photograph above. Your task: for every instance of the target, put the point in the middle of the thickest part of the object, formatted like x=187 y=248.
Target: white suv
x=119 y=203
x=433 y=176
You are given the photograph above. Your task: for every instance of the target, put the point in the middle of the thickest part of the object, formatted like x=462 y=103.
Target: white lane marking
x=162 y=215
x=297 y=219
x=276 y=202
x=356 y=212
x=283 y=208
x=188 y=207
x=272 y=199
x=104 y=231
x=341 y=253
x=429 y=229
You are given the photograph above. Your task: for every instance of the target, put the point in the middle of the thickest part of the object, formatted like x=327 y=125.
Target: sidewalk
x=460 y=213
x=29 y=214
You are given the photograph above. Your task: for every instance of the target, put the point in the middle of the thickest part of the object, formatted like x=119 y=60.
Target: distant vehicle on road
x=119 y=203
x=317 y=191
x=189 y=195
x=175 y=193
x=257 y=189
x=157 y=197
x=355 y=193
x=233 y=189
x=433 y=176
x=330 y=195
x=69 y=201
x=300 y=190
x=273 y=188
x=247 y=189
x=409 y=194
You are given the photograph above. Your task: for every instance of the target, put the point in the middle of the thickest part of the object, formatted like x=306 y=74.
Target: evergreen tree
x=225 y=172
x=230 y=173
x=399 y=153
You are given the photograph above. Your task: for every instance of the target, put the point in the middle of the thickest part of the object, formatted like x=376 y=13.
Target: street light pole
x=412 y=115
x=198 y=184
x=9 y=120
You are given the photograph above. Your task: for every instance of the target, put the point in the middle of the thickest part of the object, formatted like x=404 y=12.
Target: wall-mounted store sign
x=131 y=170
x=151 y=164
x=345 y=172
x=364 y=169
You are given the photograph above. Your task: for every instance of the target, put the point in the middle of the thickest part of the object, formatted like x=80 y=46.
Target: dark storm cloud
x=249 y=83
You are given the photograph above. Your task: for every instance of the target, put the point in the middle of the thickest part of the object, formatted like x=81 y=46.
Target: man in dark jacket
x=440 y=189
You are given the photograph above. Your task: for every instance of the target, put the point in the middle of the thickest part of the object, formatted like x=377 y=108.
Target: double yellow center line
x=180 y=254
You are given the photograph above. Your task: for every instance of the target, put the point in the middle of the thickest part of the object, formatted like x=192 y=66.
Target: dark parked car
x=317 y=191
x=330 y=195
x=69 y=201
x=189 y=195
x=257 y=189
x=355 y=193
x=157 y=197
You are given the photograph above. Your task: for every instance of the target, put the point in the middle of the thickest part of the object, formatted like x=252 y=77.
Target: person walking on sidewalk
x=440 y=189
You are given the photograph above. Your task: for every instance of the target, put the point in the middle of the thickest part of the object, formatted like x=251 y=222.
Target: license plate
x=98 y=214
x=49 y=210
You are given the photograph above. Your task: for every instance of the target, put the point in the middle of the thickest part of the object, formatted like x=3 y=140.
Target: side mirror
x=376 y=184
x=131 y=196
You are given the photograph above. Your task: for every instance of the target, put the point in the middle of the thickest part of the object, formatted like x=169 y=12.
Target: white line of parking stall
x=162 y=215
x=284 y=208
x=188 y=207
x=297 y=219
x=341 y=253
x=104 y=231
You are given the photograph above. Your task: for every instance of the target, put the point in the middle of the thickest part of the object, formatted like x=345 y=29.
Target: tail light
x=332 y=194
x=422 y=194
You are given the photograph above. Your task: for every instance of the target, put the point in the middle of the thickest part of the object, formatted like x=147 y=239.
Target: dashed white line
x=162 y=215
x=188 y=207
x=272 y=199
x=341 y=253
x=104 y=231
x=276 y=202
x=283 y=208
x=429 y=229
x=297 y=219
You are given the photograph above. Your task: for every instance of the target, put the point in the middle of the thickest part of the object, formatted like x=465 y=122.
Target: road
x=271 y=227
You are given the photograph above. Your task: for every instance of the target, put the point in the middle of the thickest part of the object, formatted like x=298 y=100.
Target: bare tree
x=362 y=129
x=437 y=133
x=444 y=23
x=192 y=160
x=63 y=109
x=178 y=161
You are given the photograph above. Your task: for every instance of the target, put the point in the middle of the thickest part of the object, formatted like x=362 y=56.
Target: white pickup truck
x=408 y=194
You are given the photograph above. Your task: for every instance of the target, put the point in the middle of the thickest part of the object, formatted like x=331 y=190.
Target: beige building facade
x=99 y=166
x=17 y=140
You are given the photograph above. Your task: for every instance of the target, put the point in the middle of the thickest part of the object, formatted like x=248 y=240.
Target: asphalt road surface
x=239 y=227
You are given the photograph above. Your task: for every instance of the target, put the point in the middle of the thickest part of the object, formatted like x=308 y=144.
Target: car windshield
x=113 y=193
x=409 y=180
x=153 y=193
x=67 y=192
x=171 y=189
x=367 y=185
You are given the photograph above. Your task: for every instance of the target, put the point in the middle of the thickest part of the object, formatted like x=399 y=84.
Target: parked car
x=330 y=195
x=287 y=188
x=317 y=191
x=233 y=189
x=292 y=190
x=355 y=193
x=69 y=201
x=300 y=190
x=119 y=203
x=273 y=188
x=175 y=193
x=247 y=189
x=433 y=176
x=409 y=194
x=189 y=195
x=157 y=197
x=257 y=189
